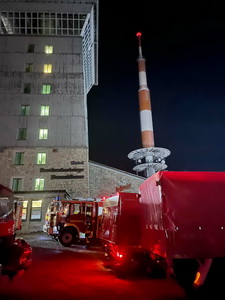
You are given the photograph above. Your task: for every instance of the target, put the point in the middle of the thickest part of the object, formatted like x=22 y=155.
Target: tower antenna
x=149 y=158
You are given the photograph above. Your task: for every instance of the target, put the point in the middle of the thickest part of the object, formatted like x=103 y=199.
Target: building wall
x=104 y=180
x=67 y=120
x=66 y=168
x=43 y=23
x=67 y=140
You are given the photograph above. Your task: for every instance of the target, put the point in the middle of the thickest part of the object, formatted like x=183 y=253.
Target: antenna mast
x=149 y=158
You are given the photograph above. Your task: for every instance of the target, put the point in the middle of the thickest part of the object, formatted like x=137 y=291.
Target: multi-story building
x=48 y=64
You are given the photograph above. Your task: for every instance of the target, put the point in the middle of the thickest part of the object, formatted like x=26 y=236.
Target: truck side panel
x=129 y=220
x=192 y=210
x=153 y=234
x=195 y=208
x=121 y=222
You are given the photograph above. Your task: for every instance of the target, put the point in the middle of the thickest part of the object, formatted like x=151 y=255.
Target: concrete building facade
x=48 y=59
x=48 y=64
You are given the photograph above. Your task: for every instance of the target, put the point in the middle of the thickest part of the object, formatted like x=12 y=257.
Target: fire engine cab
x=15 y=254
x=71 y=221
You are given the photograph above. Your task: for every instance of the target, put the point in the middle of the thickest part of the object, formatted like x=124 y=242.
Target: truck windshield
x=54 y=207
x=65 y=209
x=6 y=208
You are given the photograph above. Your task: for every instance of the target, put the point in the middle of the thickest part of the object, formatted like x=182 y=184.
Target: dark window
x=19 y=158
x=25 y=110
x=22 y=134
x=27 y=88
x=30 y=48
x=28 y=67
x=17 y=184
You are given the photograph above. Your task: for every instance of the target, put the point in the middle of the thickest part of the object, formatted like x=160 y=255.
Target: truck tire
x=185 y=271
x=68 y=237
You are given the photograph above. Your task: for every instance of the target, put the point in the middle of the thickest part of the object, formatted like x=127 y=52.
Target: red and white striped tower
x=144 y=101
x=154 y=158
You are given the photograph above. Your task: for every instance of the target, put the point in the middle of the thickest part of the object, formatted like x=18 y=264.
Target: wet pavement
x=76 y=273
x=43 y=240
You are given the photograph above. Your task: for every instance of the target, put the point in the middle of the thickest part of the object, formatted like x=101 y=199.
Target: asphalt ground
x=77 y=273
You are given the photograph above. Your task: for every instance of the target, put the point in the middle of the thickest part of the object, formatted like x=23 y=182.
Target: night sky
x=184 y=47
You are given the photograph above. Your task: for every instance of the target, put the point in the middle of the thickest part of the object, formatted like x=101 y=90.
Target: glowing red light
x=119 y=255
x=138 y=34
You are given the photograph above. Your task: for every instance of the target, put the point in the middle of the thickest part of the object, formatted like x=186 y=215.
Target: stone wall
x=65 y=169
x=104 y=180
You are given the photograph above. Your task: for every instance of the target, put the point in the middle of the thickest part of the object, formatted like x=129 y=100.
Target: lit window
x=30 y=48
x=41 y=158
x=46 y=88
x=27 y=88
x=49 y=49
x=25 y=110
x=36 y=210
x=22 y=134
x=39 y=184
x=24 y=211
x=17 y=184
x=43 y=134
x=47 y=68
x=19 y=158
x=28 y=67
x=44 y=110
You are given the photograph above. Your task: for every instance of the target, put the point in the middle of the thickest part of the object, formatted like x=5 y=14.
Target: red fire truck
x=176 y=225
x=73 y=221
x=120 y=230
x=15 y=254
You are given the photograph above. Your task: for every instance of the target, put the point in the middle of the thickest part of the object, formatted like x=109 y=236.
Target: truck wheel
x=185 y=271
x=68 y=237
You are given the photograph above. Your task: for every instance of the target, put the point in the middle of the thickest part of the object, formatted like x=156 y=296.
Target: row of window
x=35 y=210
x=17 y=184
x=25 y=110
x=48 y=49
x=45 y=89
x=29 y=68
x=40 y=158
x=47 y=69
x=41 y=23
x=22 y=134
x=43 y=132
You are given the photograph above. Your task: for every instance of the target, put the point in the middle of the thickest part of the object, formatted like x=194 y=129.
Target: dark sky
x=184 y=47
